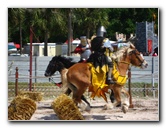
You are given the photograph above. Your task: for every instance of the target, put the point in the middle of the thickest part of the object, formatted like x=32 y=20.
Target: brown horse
x=79 y=77
x=61 y=63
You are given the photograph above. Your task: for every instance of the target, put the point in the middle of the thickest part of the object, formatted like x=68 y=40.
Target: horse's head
x=54 y=65
x=58 y=63
x=130 y=55
x=136 y=58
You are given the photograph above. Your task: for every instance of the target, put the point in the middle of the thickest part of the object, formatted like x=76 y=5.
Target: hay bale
x=36 y=96
x=66 y=109
x=21 y=108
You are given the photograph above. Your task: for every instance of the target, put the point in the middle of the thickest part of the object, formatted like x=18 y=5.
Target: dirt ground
x=145 y=109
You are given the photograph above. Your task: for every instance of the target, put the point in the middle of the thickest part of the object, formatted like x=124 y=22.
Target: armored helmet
x=83 y=40
x=101 y=31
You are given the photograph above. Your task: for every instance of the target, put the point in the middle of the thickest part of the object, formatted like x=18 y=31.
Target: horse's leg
x=84 y=99
x=125 y=101
x=117 y=93
x=112 y=98
x=74 y=90
x=80 y=91
x=79 y=76
x=68 y=91
x=78 y=95
x=107 y=105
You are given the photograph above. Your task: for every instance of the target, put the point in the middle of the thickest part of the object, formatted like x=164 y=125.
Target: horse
x=66 y=63
x=59 y=63
x=79 y=77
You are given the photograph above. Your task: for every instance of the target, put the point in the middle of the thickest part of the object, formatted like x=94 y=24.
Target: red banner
x=149 y=46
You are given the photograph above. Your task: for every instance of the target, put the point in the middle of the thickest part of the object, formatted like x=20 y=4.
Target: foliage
x=53 y=22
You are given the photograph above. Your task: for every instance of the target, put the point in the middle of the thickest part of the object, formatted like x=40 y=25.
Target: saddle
x=119 y=79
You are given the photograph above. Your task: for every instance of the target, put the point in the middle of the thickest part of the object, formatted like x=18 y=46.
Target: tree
x=16 y=18
x=89 y=19
x=51 y=24
x=45 y=22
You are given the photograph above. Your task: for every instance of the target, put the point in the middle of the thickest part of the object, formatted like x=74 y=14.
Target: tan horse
x=78 y=78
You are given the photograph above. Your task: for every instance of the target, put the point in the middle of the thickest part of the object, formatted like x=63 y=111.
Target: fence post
x=16 y=82
x=36 y=68
x=153 y=69
x=129 y=85
x=145 y=94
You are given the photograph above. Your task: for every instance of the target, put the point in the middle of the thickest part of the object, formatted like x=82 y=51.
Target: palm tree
x=45 y=22
x=88 y=19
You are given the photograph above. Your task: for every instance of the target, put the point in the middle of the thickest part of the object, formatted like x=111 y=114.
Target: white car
x=18 y=54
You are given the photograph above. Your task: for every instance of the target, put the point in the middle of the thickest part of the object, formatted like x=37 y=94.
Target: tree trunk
x=69 y=33
x=88 y=33
x=20 y=27
x=45 y=43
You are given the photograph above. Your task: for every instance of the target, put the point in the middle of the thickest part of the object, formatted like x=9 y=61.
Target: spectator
x=83 y=49
x=155 y=52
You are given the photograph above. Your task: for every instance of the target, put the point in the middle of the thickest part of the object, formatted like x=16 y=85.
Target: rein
x=121 y=79
x=133 y=52
x=60 y=63
x=142 y=61
x=57 y=84
x=125 y=62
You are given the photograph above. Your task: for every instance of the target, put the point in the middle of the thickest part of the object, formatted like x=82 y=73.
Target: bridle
x=52 y=65
x=137 y=56
x=56 y=67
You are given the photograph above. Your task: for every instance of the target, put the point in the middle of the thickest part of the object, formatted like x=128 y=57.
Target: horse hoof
x=105 y=107
x=124 y=109
x=88 y=108
x=118 y=105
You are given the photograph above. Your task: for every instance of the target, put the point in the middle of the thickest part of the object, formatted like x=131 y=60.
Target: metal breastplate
x=86 y=54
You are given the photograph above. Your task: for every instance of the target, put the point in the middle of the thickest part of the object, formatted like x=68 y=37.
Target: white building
x=38 y=49
x=52 y=49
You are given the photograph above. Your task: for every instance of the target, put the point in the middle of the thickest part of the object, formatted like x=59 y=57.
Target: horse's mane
x=119 y=54
x=67 y=62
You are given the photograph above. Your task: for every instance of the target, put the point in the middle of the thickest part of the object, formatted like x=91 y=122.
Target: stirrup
x=110 y=81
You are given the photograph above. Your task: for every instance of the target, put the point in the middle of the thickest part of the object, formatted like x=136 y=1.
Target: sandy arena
x=145 y=109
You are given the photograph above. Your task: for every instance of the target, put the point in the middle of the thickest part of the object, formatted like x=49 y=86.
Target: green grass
x=51 y=91
x=33 y=84
x=134 y=85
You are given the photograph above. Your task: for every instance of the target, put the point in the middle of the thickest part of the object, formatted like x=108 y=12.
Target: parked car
x=18 y=54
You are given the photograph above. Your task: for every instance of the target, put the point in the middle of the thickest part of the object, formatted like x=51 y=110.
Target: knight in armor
x=100 y=47
x=83 y=49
